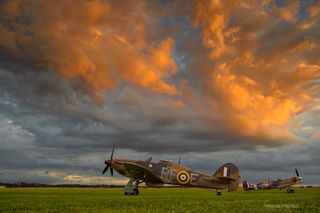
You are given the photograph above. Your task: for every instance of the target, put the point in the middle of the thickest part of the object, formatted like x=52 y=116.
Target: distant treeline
x=23 y=184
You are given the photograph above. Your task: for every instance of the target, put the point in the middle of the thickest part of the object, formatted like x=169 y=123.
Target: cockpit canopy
x=166 y=161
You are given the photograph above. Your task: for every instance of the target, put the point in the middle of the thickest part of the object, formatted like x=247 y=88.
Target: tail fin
x=247 y=186
x=228 y=173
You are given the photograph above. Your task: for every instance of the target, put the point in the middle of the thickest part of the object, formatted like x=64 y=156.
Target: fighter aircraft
x=167 y=172
x=274 y=184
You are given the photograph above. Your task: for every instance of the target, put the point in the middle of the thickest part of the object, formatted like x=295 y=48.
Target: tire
x=291 y=191
x=136 y=191
x=126 y=193
x=218 y=193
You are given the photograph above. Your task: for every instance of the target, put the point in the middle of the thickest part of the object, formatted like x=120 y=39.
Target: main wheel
x=291 y=191
x=136 y=191
x=126 y=193
x=218 y=193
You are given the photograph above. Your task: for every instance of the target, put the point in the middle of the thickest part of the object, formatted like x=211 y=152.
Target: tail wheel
x=218 y=193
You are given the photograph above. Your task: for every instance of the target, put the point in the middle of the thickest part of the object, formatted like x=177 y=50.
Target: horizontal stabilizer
x=226 y=179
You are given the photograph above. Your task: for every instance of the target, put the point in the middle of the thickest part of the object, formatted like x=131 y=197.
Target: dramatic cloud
x=213 y=80
x=259 y=76
x=100 y=43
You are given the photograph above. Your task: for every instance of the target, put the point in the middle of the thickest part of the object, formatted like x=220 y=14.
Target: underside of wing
x=283 y=185
x=139 y=172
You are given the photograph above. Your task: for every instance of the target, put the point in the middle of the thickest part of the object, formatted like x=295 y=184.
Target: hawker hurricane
x=274 y=184
x=167 y=172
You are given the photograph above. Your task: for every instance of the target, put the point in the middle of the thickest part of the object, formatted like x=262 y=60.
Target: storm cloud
x=213 y=81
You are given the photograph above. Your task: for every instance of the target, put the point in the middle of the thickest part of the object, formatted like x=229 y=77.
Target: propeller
x=109 y=164
x=297 y=173
x=179 y=160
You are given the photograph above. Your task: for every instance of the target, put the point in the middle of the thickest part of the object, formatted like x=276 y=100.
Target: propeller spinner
x=109 y=164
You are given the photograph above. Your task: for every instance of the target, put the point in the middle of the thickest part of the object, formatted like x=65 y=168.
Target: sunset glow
x=176 y=76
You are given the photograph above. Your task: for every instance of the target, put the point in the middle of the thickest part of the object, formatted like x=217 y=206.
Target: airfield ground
x=156 y=200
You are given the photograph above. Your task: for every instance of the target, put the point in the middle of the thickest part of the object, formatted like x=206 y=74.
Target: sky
x=210 y=81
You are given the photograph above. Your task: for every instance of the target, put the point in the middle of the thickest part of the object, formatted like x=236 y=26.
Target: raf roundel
x=183 y=177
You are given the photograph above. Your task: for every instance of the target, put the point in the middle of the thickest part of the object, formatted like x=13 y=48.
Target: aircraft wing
x=283 y=185
x=139 y=172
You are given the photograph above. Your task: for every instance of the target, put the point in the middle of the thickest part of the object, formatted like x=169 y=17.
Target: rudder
x=248 y=186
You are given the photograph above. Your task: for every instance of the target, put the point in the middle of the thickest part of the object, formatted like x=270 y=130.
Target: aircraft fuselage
x=169 y=173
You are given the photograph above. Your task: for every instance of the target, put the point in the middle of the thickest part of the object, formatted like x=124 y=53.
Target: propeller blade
x=112 y=153
x=297 y=173
x=106 y=169
x=109 y=164
x=179 y=160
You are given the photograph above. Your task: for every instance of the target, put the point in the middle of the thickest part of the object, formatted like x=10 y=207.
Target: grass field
x=156 y=200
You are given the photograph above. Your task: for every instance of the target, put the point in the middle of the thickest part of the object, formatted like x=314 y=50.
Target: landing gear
x=289 y=190
x=132 y=187
x=136 y=191
x=218 y=194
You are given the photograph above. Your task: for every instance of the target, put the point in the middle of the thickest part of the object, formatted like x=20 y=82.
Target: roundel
x=183 y=177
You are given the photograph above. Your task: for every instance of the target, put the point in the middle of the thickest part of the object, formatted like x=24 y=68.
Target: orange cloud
x=256 y=78
x=248 y=73
x=101 y=43
x=315 y=9
x=289 y=12
x=254 y=108
x=147 y=70
x=211 y=15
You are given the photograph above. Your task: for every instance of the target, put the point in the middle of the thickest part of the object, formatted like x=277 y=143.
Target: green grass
x=156 y=200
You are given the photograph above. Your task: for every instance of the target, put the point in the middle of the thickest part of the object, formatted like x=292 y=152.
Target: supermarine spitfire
x=274 y=184
x=167 y=172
